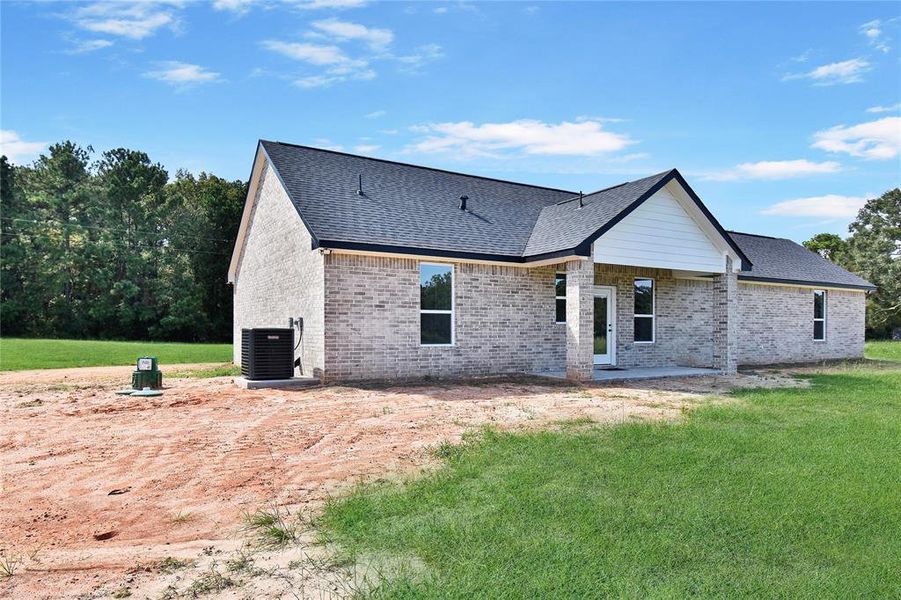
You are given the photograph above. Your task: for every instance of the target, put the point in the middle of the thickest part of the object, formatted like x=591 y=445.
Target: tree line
x=873 y=251
x=110 y=248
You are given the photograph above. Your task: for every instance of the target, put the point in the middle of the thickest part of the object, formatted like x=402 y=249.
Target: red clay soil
x=94 y=484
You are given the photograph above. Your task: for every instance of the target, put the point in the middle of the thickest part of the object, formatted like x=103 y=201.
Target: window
x=436 y=305
x=644 y=311
x=819 y=315
x=560 y=293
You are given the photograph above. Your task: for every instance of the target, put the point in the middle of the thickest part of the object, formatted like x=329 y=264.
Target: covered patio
x=625 y=374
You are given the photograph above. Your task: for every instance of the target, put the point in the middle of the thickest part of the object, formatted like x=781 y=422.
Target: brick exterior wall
x=725 y=321
x=579 y=320
x=504 y=319
x=776 y=325
x=683 y=318
x=279 y=275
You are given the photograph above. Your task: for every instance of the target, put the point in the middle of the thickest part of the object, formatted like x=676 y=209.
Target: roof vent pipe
x=581 y=204
x=463 y=200
x=360 y=186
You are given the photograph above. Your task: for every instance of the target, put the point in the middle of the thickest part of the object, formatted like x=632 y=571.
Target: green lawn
x=18 y=354
x=884 y=350
x=786 y=493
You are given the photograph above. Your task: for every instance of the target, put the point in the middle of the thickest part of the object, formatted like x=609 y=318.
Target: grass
x=17 y=354
x=8 y=566
x=784 y=493
x=209 y=582
x=883 y=350
x=271 y=528
x=228 y=370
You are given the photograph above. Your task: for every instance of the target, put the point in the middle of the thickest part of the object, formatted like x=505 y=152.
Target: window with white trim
x=560 y=297
x=436 y=304
x=644 y=311
x=819 y=315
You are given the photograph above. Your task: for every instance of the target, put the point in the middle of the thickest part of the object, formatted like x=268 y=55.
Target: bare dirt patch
x=96 y=485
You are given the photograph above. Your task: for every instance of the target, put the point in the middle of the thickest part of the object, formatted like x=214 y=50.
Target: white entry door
x=604 y=325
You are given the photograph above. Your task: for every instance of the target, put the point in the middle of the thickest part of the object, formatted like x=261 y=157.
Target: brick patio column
x=725 y=321
x=579 y=319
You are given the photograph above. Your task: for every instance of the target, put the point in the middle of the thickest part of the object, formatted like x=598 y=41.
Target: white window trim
x=825 y=314
x=556 y=297
x=652 y=316
x=451 y=312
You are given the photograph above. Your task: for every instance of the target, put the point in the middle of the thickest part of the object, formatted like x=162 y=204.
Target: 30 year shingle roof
x=405 y=205
x=778 y=259
x=408 y=207
x=560 y=226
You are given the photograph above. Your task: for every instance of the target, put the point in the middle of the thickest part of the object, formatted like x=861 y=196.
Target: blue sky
x=783 y=117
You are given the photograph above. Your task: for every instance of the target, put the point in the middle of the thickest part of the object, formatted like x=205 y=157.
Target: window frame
x=451 y=312
x=563 y=297
x=820 y=319
x=653 y=314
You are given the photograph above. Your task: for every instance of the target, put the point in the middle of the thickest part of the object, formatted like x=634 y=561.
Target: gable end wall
x=279 y=275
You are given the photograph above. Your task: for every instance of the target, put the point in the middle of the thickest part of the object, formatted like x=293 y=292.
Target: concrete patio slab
x=617 y=374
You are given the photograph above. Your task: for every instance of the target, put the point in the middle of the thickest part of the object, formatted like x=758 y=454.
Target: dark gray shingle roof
x=411 y=207
x=784 y=260
x=406 y=205
x=560 y=226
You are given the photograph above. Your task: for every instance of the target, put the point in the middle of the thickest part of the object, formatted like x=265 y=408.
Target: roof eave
x=444 y=253
x=806 y=282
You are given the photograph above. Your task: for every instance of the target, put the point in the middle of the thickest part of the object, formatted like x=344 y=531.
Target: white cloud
x=331 y=4
x=377 y=39
x=366 y=148
x=803 y=57
x=586 y=138
x=880 y=139
x=844 y=72
x=315 y=54
x=242 y=6
x=774 y=169
x=315 y=81
x=236 y=6
x=376 y=114
x=440 y=10
x=339 y=66
x=874 y=32
x=336 y=63
x=328 y=144
x=85 y=46
x=16 y=149
x=135 y=19
x=336 y=66
x=829 y=206
x=421 y=56
x=884 y=109
x=182 y=74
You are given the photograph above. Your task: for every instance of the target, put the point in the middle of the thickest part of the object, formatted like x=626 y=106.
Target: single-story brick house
x=403 y=271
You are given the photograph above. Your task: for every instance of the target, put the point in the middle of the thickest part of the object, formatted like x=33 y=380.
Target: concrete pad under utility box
x=276 y=384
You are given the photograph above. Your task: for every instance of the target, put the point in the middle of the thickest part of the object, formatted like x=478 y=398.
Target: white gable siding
x=660 y=234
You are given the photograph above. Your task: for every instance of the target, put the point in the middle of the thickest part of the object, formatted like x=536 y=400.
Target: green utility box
x=147 y=374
